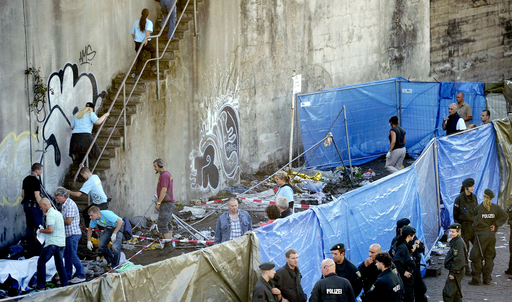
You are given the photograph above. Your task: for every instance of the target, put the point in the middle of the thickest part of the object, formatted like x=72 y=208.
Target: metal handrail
x=123 y=86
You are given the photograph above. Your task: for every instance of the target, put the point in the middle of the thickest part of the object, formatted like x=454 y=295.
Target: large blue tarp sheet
x=421 y=107
x=358 y=219
x=472 y=154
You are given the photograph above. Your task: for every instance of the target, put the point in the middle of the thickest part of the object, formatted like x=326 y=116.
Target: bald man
x=54 y=244
x=368 y=269
x=332 y=287
x=453 y=122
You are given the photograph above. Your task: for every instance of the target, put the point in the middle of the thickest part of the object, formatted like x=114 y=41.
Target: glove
x=113 y=237
x=388 y=155
x=89 y=245
x=38 y=231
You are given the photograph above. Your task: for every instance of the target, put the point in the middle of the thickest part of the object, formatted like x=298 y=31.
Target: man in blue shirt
x=93 y=187
x=233 y=223
x=114 y=228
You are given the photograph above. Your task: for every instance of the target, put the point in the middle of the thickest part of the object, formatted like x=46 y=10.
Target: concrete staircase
x=139 y=95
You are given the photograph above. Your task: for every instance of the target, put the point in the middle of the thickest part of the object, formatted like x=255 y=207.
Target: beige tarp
x=503 y=129
x=224 y=272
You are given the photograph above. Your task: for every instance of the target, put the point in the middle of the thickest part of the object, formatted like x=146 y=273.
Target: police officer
x=388 y=286
x=345 y=268
x=332 y=287
x=404 y=263
x=264 y=291
x=488 y=217
x=455 y=262
x=368 y=269
x=463 y=208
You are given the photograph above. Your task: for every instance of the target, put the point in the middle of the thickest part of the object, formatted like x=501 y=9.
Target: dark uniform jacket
x=370 y=273
x=262 y=292
x=350 y=272
x=456 y=259
x=463 y=207
x=332 y=288
x=403 y=261
x=288 y=282
x=387 y=288
x=484 y=219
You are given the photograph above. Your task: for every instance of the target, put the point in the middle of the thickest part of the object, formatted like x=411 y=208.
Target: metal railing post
x=438 y=191
x=195 y=19
x=124 y=115
x=157 y=69
x=348 y=143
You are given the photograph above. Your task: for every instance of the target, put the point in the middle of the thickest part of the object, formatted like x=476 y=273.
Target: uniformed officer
x=332 y=287
x=346 y=269
x=264 y=291
x=463 y=207
x=288 y=278
x=455 y=262
x=388 y=286
x=404 y=263
x=509 y=269
x=488 y=217
x=368 y=269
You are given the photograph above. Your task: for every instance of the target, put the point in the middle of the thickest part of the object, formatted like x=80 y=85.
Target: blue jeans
x=113 y=256
x=72 y=258
x=58 y=256
x=166 y=5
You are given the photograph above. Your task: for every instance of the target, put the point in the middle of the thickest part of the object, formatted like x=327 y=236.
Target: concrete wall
x=471 y=40
x=78 y=47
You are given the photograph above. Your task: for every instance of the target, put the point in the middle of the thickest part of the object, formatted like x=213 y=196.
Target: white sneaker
x=134 y=75
x=77 y=280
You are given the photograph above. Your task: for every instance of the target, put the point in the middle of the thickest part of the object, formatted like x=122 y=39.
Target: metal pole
x=348 y=143
x=436 y=168
x=124 y=114
x=291 y=131
x=157 y=70
x=195 y=19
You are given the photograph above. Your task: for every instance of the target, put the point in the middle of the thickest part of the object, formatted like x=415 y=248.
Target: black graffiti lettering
x=207 y=171
x=87 y=55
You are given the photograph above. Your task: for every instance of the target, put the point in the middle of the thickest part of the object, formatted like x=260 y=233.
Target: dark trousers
x=167 y=5
x=34 y=218
x=58 y=256
x=140 y=61
x=468 y=235
x=488 y=245
x=419 y=286
x=510 y=251
x=113 y=256
x=87 y=220
x=409 y=289
x=451 y=288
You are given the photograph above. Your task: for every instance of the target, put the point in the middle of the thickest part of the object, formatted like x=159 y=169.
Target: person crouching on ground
x=455 y=262
x=114 y=227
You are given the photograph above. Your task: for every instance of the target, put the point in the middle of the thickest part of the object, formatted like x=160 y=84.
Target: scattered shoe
x=77 y=280
x=169 y=248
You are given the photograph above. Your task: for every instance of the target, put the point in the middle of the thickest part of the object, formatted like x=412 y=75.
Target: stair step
x=116 y=110
x=111 y=121
x=114 y=142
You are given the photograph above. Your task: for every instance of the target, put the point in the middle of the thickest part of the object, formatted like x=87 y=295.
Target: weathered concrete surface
x=471 y=40
x=78 y=47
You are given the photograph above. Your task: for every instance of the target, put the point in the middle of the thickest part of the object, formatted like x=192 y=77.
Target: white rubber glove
x=113 y=237
x=38 y=231
x=388 y=155
x=89 y=245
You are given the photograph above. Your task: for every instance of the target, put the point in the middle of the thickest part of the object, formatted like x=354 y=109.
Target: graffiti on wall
x=217 y=157
x=71 y=92
x=14 y=166
x=87 y=55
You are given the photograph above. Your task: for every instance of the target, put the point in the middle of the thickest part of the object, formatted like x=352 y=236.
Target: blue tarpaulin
x=421 y=107
x=472 y=154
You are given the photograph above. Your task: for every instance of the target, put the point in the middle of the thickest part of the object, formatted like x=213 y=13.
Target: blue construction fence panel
x=358 y=219
x=470 y=155
x=421 y=107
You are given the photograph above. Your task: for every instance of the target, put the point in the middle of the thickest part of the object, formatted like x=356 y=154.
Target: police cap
x=455 y=226
x=338 y=246
x=468 y=182
x=266 y=266
x=408 y=230
x=489 y=193
x=402 y=222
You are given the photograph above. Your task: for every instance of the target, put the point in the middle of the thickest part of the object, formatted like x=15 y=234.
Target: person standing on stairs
x=171 y=23
x=141 y=29
x=81 y=137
